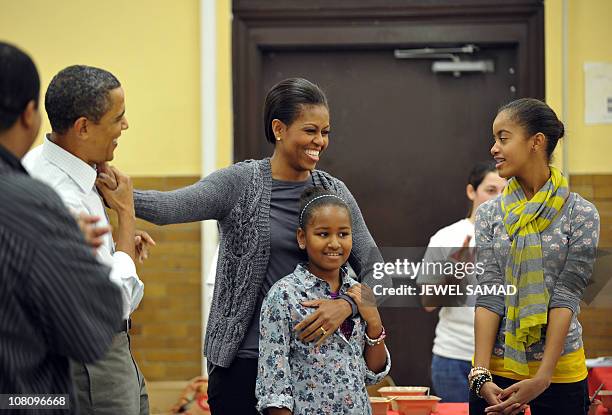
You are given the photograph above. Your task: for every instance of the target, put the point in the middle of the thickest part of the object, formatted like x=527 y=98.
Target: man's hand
x=142 y=241
x=120 y=198
x=104 y=172
x=93 y=234
x=322 y=323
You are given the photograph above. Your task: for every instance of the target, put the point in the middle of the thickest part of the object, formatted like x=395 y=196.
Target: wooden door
x=403 y=138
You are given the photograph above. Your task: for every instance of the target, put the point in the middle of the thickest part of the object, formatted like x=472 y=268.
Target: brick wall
x=597 y=321
x=167 y=326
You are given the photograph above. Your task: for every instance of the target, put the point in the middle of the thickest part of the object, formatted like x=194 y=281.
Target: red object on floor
x=445 y=409
x=448 y=409
x=203 y=402
x=452 y=409
x=599 y=375
x=463 y=409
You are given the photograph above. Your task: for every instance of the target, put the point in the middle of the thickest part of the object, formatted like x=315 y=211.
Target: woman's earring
x=302 y=246
x=278 y=138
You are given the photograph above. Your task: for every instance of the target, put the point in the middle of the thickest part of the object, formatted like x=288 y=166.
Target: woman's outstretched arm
x=213 y=197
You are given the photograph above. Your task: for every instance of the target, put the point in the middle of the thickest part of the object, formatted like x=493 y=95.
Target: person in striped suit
x=56 y=300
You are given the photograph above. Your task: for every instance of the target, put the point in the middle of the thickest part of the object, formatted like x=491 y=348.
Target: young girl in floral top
x=295 y=376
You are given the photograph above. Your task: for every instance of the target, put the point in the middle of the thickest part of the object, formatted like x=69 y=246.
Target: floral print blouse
x=568 y=248
x=329 y=379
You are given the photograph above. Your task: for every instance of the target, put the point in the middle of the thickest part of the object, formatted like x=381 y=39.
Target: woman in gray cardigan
x=256 y=204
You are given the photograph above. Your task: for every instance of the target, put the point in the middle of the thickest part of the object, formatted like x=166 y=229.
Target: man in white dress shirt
x=86 y=108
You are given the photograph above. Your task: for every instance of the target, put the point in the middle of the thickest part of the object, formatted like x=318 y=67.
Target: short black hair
x=78 y=91
x=286 y=100
x=478 y=173
x=535 y=117
x=19 y=84
x=315 y=197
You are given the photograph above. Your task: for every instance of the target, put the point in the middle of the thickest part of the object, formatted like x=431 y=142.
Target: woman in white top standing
x=454 y=342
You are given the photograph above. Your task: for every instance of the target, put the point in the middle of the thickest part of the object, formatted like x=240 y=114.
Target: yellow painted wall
x=553 y=61
x=590 y=39
x=589 y=35
x=152 y=46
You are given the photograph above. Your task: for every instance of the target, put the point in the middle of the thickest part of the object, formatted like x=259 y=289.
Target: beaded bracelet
x=379 y=340
x=478 y=382
x=476 y=371
x=477 y=375
x=479 y=370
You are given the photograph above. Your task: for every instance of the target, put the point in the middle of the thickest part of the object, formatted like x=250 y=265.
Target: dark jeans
x=558 y=399
x=449 y=378
x=231 y=391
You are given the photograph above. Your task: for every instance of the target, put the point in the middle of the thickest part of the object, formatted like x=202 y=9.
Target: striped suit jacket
x=56 y=300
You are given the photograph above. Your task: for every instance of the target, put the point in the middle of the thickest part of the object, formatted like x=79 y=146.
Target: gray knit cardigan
x=239 y=198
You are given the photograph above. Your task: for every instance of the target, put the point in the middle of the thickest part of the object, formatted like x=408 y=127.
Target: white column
x=208 y=137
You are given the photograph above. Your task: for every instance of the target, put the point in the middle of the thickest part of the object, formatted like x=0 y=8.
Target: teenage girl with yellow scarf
x=541 y=238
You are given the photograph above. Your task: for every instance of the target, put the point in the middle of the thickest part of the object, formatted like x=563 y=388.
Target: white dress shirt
x=74 y=180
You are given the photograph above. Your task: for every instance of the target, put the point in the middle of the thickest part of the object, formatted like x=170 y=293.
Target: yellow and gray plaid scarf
x=527 y=310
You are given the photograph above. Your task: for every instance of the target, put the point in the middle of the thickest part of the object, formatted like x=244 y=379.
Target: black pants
x=558 y=399
x=231 y=391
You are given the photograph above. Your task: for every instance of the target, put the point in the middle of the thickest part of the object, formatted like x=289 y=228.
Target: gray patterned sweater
x=239 y=198
x=568 y=252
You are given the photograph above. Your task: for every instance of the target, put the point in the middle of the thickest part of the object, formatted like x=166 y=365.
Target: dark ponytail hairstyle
x=477 y=174
x=537 y=117
x=316 y=197
x=285 y=101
